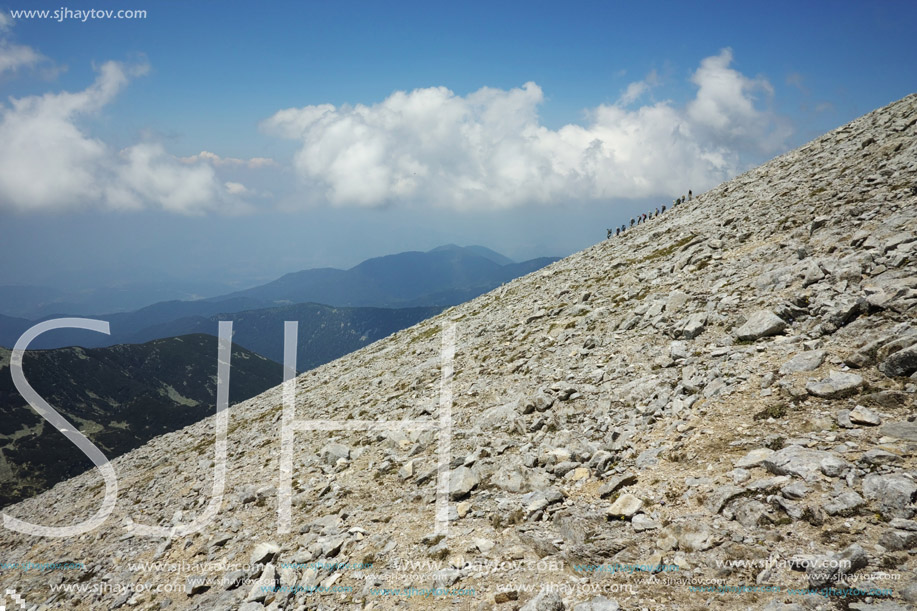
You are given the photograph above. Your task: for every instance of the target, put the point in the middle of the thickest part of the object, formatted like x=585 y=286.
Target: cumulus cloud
x=48 y=161
x=489 y=149
x=724 y=107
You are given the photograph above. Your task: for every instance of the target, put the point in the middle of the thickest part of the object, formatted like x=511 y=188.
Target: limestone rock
x=625 y=506
x=836 y=385
x=762 y=323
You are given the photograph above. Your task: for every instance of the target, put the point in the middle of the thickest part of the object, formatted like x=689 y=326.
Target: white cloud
x=236 y=188
x=216 y=160
x=489 y=150
x=48 y=161
x=636 y=89
x=13 y=57
x=725 y=106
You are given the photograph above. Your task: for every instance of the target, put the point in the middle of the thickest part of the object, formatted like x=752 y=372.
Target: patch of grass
x=425 y=334
x=773 y=411
x=666 y=251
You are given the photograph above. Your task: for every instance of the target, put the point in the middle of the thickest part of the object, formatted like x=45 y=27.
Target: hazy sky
x=235 y=141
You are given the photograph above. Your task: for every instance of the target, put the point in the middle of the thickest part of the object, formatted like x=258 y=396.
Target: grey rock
x=333 y=452
x=864 y=415
x=754 y=458
x=830 y=569
x=545 y=601
x=641 y=522
x=625 y=506
x=721 y=496
x=461 y=482
x=901 y=363
x=836 y=385
x=795 y=491
x=800 y=462
x=898 y=540
x=692 y=326
x=691 y=537
x=900 y=430
x=894 y=494
x=762 y=323
x=805 y=361
x=263 y=553
x=833 y=466
x=599 y=603
x=616 y=483
x=844 y=504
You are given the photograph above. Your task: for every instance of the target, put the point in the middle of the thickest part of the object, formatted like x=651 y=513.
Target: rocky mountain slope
x=714 y=411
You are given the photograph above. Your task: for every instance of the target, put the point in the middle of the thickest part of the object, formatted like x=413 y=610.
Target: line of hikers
x=642 y=218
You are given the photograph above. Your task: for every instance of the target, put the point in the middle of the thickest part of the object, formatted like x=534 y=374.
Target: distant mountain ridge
x=445 y=276
x=412 y=278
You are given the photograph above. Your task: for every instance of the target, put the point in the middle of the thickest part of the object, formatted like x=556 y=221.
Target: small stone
x=863 y=415
x=626 y=506
x=263 y=553
x=599 y=603
x=615 y=483
x=641 y=522
x=805 y=361
x=754 y=458
x=333 y=452
x=795 y=491
x=580 y=473
x=461 y=482
x=196 y=584
x=692 y=537
x=545 y=601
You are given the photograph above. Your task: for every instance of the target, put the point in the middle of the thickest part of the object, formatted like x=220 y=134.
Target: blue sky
x=234 y=142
